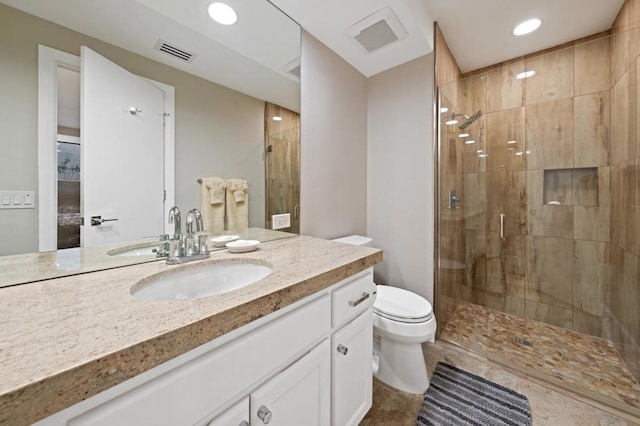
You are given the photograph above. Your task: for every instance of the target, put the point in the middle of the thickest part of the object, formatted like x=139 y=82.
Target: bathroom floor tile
x=567 y=358
x=548 y=407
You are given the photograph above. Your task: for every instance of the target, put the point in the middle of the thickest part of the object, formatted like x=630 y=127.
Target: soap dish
x=242 y=246
x=222 y=240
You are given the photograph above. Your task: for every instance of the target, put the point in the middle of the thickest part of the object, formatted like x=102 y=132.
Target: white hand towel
x=237 y=210
x=212 y=213
x=239 y=188
x=216 y=190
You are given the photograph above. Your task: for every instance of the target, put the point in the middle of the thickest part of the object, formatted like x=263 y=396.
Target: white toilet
x=402 y=321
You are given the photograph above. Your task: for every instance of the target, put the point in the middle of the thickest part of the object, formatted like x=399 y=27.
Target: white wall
x=400 y=174
x=333 y=162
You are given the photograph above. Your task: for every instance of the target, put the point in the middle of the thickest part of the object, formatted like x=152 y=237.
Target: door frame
x=48 y=61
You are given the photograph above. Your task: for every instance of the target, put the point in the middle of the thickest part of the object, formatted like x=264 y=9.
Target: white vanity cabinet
x=282 y=369
x=298 y=395
x=351 y=372
x=352 y=350
x=237 y=415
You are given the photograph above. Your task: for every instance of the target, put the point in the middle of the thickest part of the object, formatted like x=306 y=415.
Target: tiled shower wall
x=623 y=290
x=540 y=157
x=559 y=155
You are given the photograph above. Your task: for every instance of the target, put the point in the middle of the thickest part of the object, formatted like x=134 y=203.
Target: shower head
x=470 y=120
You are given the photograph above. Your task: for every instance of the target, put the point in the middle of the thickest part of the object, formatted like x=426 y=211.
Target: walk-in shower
x=538 y=218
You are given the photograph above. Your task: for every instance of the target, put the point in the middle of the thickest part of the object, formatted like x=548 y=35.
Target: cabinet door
x=237 y=415
x=298 y=395
x=352 y=371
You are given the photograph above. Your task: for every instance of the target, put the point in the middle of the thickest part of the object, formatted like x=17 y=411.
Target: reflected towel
x=237 y=204
x=212 y=213
x=216 y=190
x=239 y=188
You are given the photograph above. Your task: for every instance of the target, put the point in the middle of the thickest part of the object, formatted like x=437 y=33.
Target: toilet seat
x=401 y=305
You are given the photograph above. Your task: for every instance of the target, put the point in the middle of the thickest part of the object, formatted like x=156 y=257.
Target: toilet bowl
x=402 y=321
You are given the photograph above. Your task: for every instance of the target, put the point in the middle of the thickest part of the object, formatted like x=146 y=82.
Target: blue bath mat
x=458 y=398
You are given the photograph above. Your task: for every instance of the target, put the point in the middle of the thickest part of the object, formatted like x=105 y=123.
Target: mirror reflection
x=218 y=124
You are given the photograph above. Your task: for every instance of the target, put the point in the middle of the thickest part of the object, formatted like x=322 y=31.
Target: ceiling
x=249 y=57
x=253 y=56
x=479 y=32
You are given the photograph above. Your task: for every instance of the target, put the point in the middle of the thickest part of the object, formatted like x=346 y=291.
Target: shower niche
x=576 y=187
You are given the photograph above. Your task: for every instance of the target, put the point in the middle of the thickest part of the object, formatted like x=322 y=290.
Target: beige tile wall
x=547 y=139
x=622 y=290
x=577 y=141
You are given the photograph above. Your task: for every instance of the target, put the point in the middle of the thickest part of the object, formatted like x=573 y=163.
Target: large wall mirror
x=233 y=81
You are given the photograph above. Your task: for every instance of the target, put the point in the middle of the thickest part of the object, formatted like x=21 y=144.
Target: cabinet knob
x=244 y=423
x=342 y=349
x=264 y=414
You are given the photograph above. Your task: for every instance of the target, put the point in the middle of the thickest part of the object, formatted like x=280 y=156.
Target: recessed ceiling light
x=451 y=122
x=222 y=13
x=276 y=118
x=480 y=151
x=483 y=155
x=511 y=142
x=463 y=135
x=525 y=74
x=519 y=153
x=443 y=110
x=527 y=27
x=469 y=142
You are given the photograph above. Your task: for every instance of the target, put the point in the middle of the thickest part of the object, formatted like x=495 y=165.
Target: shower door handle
x=502 y=226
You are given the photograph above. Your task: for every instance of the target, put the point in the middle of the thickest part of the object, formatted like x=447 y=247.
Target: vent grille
x=376 y=36
x=377 y=30
x=175 y=51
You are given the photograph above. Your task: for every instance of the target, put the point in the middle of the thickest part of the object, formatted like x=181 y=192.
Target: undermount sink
x=145 y=250
x=192 y=282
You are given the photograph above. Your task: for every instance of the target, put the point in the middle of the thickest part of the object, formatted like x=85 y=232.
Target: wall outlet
x=279 y=221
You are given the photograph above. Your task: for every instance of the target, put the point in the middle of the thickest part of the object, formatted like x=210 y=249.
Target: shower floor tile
x=570 y=359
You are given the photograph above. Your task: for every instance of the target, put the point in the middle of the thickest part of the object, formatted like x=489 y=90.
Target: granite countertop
x=66 y=339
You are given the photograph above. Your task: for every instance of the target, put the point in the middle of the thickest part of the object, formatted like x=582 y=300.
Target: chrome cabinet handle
x=342 y=349
x=502 y=226
x=364 y=297
x=264 y=414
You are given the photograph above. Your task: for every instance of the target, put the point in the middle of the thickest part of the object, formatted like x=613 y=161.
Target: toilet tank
x=356 y=240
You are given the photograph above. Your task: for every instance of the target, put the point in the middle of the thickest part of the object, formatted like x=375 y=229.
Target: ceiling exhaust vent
x=377 y=30
x=175 y=51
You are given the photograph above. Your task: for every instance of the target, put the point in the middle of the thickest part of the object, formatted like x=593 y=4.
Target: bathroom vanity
x=292 y=348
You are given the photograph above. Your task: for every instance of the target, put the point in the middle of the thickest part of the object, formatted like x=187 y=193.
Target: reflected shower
x=470 y=120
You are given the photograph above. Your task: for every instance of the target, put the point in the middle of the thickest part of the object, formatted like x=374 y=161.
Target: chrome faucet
x=185 y=249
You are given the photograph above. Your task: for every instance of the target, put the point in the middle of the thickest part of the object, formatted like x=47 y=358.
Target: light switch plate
x=279 y=221
x=17 y=200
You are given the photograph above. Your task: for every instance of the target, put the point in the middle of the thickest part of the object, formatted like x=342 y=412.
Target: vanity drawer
x=355 y=296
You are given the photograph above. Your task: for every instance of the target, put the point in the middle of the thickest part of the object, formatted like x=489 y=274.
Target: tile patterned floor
x=568 y=358
x=548 y=407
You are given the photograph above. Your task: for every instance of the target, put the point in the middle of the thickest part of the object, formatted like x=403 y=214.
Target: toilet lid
x=401 y=305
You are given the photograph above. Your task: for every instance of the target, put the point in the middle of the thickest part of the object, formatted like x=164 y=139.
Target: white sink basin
x=192 y=282
x=147 y=250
